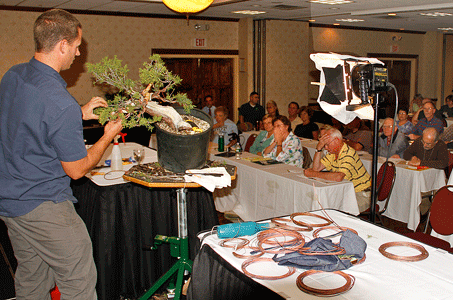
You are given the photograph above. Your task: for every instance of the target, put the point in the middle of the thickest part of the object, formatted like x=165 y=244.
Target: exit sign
x=200 y=42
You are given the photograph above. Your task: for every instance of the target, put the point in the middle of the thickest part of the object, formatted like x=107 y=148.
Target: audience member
x=307 y=129
x=264 y=138
x=447 y=108
x=293 y=114
x=420 y=114
x=389 y=147
x=430 y=120
x=343 y=163
x=225 y=126
x=272 y=109
x=251 y=112
x=447 y=136
x=427 y=151
x=416 y=103
x=286 y=146
x=358 y=136
x=209 y=108
x=403 y=124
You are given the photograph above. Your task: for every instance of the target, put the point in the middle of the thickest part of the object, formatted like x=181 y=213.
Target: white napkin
x=209 y=182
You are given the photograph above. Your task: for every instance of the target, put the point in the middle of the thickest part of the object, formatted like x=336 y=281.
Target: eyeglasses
x=387 y=126
x=428 y=144
x=427 y=108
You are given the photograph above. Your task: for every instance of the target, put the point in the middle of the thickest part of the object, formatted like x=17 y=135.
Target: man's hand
x=415 y=161
x=309 y=172
x=395 y=156
x=112 y=129
x=413 y=136
x=87 y=109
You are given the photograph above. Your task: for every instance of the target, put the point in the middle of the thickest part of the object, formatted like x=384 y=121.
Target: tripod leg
x=161 y=281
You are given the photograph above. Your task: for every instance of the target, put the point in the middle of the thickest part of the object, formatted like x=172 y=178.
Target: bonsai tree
x=135 y=98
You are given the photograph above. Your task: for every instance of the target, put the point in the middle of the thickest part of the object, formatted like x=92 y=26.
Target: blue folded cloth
x=354 y=246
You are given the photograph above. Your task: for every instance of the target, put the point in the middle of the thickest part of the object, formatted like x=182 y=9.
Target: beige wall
x=289 y=43
x=286 y=62
x=130 y=38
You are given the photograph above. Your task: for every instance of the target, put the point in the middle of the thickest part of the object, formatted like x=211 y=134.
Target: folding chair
x=250 y=142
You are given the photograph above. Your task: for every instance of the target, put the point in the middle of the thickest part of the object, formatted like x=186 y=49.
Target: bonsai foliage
x=129 y=103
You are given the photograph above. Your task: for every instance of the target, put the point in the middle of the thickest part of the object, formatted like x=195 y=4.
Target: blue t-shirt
x=228 y=128
x=40 y=125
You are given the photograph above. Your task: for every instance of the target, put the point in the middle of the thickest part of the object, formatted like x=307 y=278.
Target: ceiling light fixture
x=446 y=29
x=187 y=6
x=436 y=14
x=349 y=20
x=391 y=14
x=248 y=12
x=331 y=2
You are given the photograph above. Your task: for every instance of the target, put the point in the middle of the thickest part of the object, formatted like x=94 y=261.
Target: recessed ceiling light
x=331 y=2
x=391 y=14
x=336 y=24
x=349 y=20
x=446 y=28
x=312 y=20
x=248 y=12
x=436 y=14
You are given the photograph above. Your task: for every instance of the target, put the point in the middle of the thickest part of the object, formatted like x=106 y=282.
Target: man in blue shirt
x=430 y=120
x=41 y=149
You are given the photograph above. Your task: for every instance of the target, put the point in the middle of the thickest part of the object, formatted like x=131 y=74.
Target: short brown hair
x=284 y=120
x=222 y=109
x=54 y=26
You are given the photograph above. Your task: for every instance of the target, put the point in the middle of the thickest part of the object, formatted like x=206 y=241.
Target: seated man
x=358 y=136
x=224 y=126
x=343 y=163
x=430 y=120
x=251 y=112
x=447 y=108
x=209 y=108
x=427 y=151
x=420 y=114
x=391 y=147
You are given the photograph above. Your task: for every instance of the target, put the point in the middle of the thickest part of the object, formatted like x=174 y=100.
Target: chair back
x=250 y=142
x=307 y=158
x=385 y=180
x=441 y=212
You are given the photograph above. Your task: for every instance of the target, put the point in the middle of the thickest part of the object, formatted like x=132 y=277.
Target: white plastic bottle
x=116 y=160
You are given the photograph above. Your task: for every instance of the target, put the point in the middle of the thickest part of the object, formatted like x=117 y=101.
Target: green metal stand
x=179 y=248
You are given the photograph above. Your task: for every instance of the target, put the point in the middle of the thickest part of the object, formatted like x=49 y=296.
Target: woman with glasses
x=264 y=138
x=404 y=125
x=286 y=146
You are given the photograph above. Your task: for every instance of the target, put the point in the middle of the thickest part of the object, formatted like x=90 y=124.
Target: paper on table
x=209 y=182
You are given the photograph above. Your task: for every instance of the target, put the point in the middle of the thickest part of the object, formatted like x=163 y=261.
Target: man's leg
x=58 y=235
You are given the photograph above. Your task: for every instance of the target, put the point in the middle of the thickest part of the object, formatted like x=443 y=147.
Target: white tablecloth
x=377 y=277
x=406 y=195
x=261 y=192
x=126 y=151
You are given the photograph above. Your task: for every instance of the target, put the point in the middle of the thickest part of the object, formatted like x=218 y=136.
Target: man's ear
x=63 y=46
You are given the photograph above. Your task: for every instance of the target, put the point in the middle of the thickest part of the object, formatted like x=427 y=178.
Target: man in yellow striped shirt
x=343 y=163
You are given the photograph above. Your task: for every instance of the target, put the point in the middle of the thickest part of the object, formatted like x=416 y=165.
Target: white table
x=377 y=277
x=406 y=194
x=126 y=152
x=261 y=192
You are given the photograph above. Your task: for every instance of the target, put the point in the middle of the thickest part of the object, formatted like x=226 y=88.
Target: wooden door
x=205 y=76
x=399 y=72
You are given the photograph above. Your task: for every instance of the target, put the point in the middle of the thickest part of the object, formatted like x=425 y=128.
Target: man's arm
x=333 y=176
x=77 y=169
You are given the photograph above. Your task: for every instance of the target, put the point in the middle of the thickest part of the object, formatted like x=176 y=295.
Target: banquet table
x=217 y=274
x=122 y=219
x=409 y=184
x=265 y=191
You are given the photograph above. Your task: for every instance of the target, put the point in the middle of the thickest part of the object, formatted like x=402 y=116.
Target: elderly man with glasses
x=427 y=151
x=430 y=120
x=388 y=146
x=343 y=163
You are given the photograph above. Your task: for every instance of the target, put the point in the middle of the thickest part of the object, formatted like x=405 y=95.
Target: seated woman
x=403 y=124
x=286 y=146
x=307 y=129
x=264 y=138
x=272 y=109
x=223 y=125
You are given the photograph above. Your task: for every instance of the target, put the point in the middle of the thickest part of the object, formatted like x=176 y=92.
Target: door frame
x=413 y=59
x=200 y=54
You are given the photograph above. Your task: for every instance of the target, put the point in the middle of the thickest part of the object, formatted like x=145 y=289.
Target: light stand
x=374 y=162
